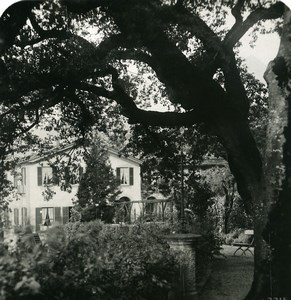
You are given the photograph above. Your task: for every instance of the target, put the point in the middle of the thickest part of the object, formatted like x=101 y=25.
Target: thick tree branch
x=32 y=83
x=98 y=91
x=237 y=32
x=169 y=119
x=236 y=10
x=45 y=34
x=43 y=102
x=186 y=84
x=54 y=33
x=95 y=67
x=235 y=90
x=33 y=124
x=136 y=115
x=135 y=55
x=194 y=24
x=12 y=21
x=114 y=42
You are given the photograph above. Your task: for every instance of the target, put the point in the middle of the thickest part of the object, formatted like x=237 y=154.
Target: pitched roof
x=35 y=158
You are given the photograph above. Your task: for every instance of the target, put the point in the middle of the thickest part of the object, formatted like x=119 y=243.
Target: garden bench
x=244 y=247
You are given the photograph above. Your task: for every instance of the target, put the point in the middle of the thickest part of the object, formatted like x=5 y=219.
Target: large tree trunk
x=272 y=276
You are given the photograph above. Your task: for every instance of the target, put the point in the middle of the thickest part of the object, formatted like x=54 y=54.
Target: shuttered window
x=16 y=216
x=24 y=216
x=47 y=175
x=20 y=179
x=125 y=175
x=66 y=214
x=48 y=216
x=39 y=176
x=38 y=218
x=58 y=217
x=130 y=176
x=23 y=176
x=118 y=174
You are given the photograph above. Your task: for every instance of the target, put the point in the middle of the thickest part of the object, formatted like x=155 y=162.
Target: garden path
x=231 y=277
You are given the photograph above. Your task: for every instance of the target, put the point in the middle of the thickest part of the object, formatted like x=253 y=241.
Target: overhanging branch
x=45 y=34
x=136 y=115
x=194 y=24
x=236 y=10
x=237 y=32
x=97 y=90
x=168 y=119
x=12 y=21
x=135 y=55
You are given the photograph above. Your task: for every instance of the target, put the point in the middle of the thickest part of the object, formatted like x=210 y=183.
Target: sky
x=257 y=58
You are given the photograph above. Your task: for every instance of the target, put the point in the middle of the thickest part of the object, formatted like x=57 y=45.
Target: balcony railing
x=144 y=210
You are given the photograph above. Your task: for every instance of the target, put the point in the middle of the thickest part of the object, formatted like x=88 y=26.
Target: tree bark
x=272 y=276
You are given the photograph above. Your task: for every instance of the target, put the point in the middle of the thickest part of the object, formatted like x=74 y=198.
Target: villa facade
x=42 y=202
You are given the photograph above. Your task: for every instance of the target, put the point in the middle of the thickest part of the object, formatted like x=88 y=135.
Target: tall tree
x=98 y=186
x=80 y=55
x=276 y=210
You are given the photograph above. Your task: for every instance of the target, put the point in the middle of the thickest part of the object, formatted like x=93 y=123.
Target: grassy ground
x=231 y=277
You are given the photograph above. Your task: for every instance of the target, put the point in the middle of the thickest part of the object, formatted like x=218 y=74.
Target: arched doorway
x=123 y=210
x=150 y=208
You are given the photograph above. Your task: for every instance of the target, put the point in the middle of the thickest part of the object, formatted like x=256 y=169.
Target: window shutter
x=22 y=215
x=81 y=172
x=39 y=176
x=56 y=179
x=130 y=176
x=25 y=215
x=38 y=218
x=58 y=217
x=66 y=214
x=67 y=175
x=118 y=174
x=23 y=174
x=16 y=216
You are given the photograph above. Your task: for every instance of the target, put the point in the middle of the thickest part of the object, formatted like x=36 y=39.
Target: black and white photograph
x=145 y=150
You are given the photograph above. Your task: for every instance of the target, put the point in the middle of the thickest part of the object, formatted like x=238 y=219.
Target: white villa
x=35 y=176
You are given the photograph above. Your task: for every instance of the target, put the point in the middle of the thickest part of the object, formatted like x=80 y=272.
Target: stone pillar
x=185 y=283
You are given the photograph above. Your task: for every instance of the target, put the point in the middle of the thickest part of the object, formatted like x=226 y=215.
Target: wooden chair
x=244 y=247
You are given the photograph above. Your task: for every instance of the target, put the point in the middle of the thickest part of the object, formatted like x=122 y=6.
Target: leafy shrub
x=142 y=264
x=84 y=261
x=25 y=239
x=18 y=276
x=232 y=237
x=238 y=217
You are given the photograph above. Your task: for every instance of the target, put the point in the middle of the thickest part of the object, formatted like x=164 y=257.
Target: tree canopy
x=93 y=61
x=89 y=58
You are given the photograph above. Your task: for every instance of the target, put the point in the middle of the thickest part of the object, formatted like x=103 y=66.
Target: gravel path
x=231 y=277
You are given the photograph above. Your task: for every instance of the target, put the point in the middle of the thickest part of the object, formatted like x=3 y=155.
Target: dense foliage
x=89 y=261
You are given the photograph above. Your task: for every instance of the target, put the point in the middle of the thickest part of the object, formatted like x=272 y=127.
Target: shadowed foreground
x=231 y=277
